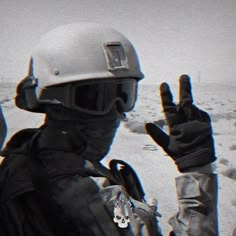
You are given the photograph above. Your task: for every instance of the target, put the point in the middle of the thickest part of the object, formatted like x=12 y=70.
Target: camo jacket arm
x=197 y=205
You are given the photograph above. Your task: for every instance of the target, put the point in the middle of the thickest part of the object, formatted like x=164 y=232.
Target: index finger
x=185 y=92
x=169 y=107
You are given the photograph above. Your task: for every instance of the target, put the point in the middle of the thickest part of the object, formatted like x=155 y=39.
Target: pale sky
x=171 y=36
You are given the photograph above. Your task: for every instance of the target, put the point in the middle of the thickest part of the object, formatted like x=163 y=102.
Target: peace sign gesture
x=189 y=143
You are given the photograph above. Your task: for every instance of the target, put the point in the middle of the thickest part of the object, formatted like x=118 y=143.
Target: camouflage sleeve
x=197 y=201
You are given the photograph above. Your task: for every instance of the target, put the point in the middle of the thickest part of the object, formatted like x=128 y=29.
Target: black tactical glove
x=189 y=143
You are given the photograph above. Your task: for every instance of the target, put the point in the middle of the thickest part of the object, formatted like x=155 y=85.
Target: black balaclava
x=67 y=130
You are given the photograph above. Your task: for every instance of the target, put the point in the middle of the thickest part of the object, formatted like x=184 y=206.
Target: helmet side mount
x=30 y=87
x=26 y=98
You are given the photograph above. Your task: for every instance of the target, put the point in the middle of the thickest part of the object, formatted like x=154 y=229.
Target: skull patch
x=122 y=213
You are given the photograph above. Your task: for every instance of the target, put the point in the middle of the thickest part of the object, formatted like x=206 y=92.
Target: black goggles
x=95 y=97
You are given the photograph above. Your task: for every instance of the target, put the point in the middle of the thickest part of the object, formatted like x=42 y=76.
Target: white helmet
x=79 y=52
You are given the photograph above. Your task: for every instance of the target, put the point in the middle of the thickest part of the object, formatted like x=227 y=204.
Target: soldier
x=84 y=78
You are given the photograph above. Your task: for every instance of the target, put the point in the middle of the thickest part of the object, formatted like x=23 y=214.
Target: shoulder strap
x=128 y=177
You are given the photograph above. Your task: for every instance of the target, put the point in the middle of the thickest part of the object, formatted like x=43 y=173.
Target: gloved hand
x=189 y=143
